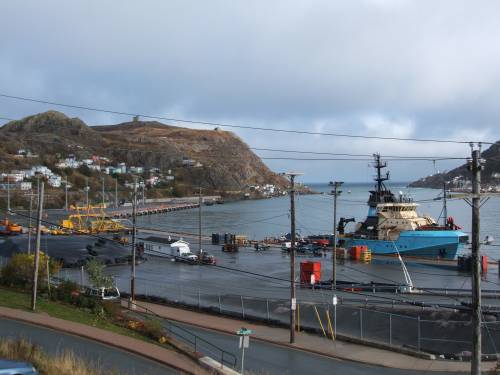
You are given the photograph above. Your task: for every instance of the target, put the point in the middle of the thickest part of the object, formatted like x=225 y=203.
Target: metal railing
x=356 y=318
x=197 y=343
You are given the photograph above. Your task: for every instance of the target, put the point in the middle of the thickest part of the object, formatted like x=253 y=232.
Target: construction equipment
x=91 y=220
x=9 y=228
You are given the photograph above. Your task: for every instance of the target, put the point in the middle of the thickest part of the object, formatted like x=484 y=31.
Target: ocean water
x=314 y=213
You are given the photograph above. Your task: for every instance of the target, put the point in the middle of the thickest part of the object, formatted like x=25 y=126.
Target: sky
x=396 y=68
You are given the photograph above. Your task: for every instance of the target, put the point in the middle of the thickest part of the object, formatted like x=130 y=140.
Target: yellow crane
x=90 y=220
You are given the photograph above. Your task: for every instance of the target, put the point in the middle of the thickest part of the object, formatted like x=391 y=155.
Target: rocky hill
x=227 y=163
x=460 y=176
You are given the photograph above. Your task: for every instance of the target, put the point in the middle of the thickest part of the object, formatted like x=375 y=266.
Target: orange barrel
x=484 y=264
x=355 y=252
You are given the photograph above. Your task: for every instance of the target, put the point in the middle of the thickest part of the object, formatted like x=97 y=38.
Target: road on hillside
x=265 y=358
x=105 y=357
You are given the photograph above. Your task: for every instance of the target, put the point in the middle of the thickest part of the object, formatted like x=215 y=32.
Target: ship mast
x=379 y=165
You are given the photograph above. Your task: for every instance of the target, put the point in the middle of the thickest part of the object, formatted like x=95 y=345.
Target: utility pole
x=66 y=194
x=336 y=192
x=103 y=199
x=475 y=168
x=87 y=192
x=200 y=201
x=29 y=222
x=37 y=248
x=116 y=192
x=143 y=193
x=8 y=195
x=134 y=231
x=445 y=207
x=293 y=299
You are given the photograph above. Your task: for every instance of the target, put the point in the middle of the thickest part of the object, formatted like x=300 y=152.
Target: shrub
x=19 y=270
x=153 y=329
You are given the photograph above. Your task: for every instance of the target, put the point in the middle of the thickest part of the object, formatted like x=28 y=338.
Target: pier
x=126 y=212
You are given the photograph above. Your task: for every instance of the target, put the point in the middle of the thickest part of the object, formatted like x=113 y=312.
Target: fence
x=197 y=343
x=452 y=339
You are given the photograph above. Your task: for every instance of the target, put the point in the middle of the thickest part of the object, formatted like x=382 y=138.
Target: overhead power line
x=255 y=274
x=356 y=155
x=226 y=125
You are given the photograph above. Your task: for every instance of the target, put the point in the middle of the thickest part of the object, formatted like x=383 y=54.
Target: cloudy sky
x=425 y=69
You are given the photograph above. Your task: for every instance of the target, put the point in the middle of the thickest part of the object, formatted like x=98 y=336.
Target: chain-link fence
x=452 y=339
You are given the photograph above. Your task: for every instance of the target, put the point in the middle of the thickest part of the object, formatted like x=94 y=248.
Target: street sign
x=294 y=303
x=335 y=300
x=244 y=342
x=244 y=332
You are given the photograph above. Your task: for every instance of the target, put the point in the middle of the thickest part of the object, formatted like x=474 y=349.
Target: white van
x=102 y=293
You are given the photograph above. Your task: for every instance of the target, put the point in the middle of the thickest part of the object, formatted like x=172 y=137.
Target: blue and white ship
x=393 y=224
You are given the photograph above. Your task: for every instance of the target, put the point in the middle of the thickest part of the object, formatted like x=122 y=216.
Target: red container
x=356 y=251
x=309 y=269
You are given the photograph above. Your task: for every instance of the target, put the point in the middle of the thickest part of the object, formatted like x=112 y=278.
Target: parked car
x=102 y=293
x=16 y=368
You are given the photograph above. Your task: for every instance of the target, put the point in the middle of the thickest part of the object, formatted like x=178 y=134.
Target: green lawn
x=22 y=300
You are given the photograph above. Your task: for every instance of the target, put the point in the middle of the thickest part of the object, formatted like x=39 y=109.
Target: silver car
x=16 y=368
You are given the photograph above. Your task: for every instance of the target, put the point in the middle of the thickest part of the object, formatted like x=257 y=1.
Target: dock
x=126 y=212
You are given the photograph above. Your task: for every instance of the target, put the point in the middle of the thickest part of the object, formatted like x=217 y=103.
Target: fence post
x=242 y=308
x=418 y=333
x=267 y=309
x=220 y=305
x=360 y=323
x=390 y=329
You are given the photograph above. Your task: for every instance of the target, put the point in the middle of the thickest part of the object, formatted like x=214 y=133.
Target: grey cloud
x=428 y=67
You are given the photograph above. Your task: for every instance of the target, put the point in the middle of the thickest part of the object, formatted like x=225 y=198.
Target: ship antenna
x=380 y=180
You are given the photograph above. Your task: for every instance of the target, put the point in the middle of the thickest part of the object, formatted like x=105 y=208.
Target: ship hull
x=420 y=244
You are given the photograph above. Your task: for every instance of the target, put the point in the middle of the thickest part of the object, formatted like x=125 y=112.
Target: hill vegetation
x=459 y=178
x=224 y=163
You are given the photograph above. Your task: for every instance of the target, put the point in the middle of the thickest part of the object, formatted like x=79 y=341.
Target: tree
x=95 y=270
x=19 y=270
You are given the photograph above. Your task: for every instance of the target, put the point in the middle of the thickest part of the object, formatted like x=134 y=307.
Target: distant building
x=136 y=170
x=54 y=180
x=186 y=162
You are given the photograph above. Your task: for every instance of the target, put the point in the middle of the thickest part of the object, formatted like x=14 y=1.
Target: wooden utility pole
x=29 y=222
x=134 y=231
x=475 y=168
x=87 y=188
x=293 y=299
x=445 y=205
x=37 y=247
x=103 y=199
x=66 y=194
x=8 y=195
x=116 y=192
x=200 y=202
x=336 y=192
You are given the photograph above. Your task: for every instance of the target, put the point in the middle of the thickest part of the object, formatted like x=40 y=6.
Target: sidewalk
x=312 y=343
x=154 y=352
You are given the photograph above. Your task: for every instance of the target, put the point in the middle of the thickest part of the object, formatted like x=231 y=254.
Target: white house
x=54 y=180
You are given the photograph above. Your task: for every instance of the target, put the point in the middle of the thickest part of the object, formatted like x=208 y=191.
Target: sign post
x=244 y=335
x=335 y=301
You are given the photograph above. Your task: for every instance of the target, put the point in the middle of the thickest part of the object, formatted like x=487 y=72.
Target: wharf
x=126 y=212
